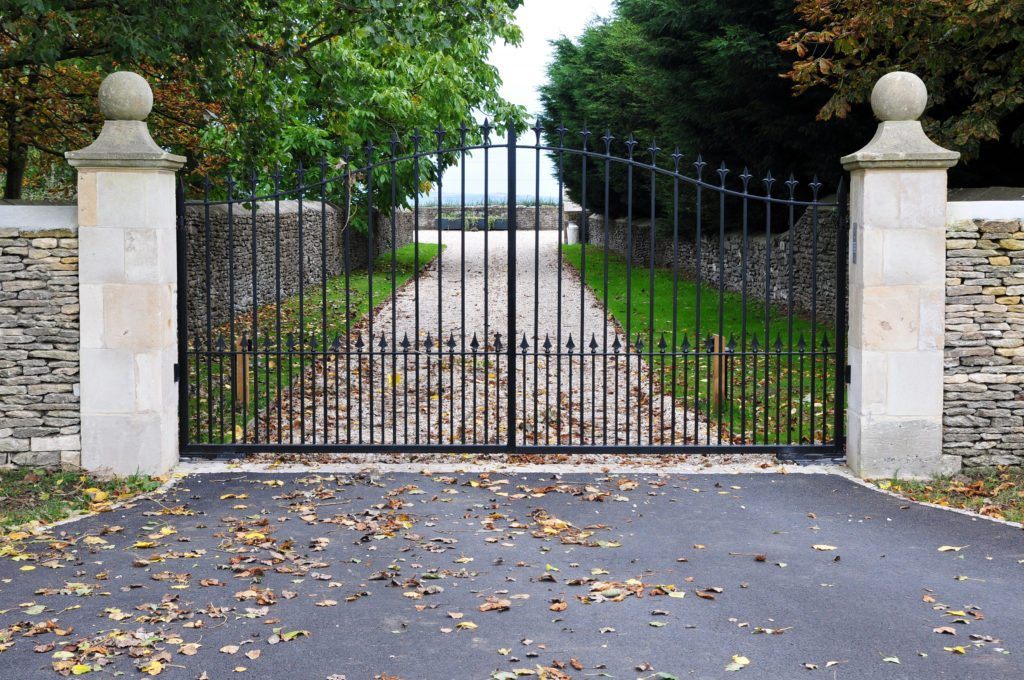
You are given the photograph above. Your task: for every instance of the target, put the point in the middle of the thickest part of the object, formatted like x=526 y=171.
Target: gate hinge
x=848 y=374
x=177 y=373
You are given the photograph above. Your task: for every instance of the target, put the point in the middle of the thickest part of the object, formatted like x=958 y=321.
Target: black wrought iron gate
x=338 y=309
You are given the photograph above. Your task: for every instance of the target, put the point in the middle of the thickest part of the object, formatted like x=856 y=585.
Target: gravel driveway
x=459 y=396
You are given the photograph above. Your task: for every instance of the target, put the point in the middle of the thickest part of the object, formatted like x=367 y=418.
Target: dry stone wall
x=39 y=331
x=269 y=223
x=983 y=415
x=813 y=285
x=527 y=217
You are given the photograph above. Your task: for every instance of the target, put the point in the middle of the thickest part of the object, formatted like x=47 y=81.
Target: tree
x=970 y=54
x=252 y=84
x=700 y=74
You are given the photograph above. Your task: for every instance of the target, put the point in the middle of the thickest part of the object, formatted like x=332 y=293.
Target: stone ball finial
x=899 y=95
x=125 y=95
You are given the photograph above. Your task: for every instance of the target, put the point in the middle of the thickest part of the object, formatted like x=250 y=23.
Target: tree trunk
x=17 y=159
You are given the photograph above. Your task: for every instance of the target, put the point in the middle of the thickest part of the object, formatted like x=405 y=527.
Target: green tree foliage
x=970 y=54
x=254 y=83
x=700 y=75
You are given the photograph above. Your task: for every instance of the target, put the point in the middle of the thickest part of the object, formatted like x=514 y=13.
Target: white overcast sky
x=523 y=70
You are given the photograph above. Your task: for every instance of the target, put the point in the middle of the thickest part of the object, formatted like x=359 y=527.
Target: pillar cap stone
x=125 y=95
x=898 y=100
x=125 y=99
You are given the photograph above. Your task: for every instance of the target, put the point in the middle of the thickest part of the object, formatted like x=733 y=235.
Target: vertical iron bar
x=181 y=246
x=231 y=300
x=839 y=429
x=585 y=219
x=370 y=257
x=255 y=316
x=511 y=286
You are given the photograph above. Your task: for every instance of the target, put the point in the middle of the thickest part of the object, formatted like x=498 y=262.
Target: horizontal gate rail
x=333 y=310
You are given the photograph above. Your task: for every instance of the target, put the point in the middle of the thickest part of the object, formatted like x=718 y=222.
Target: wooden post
x=240 y=388
x=718 y=371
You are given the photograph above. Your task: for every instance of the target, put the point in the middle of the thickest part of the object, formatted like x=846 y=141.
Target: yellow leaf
x=27 y=567
x=466 y=625
x=951 y=548
x=956 y=650
x=823 y=547
x=96 y=495
x=80 y=669
x=154 y=667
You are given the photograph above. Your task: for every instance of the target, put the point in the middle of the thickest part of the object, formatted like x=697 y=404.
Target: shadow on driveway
x=477 y=576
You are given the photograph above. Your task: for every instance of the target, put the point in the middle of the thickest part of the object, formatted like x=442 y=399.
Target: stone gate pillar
x=897 y=289
x=128 y=284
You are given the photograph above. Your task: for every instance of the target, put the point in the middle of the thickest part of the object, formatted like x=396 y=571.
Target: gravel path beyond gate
x=457 y=393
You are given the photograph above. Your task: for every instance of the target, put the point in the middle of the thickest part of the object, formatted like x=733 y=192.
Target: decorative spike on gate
x=440 y=134
x=585 y=134
x=405 y=342
x=561 y=131
x=662 y=345
x=745 y=177
x=451 y=342
x=359 y=343
x=394 y=143
x=755 y=345
x=368 y=148
x=497 y=342
x=801 y=345
x=815 y=186
x=709 y=344
x=722 y=172
x=570 y=345
x=699 y=164
x=653 y=149
x=525 y=344
x=730 y=347
x=630 y=145
x=486 y=130
x=547 y=344
x=824 y=343
x=639 y=344
x=778 y=344
x=291 y=341
x=616 y=346
x=429 y=344
x=336 y=345
x=474 y=344
x=768 y=181
x=593 y=343
x=416 y=139
x=383 y=344
x=792 y=184
x=677 y=156
x=221 y=345
x=686 y=343
x=266 y=344
x=537 y=130
x=607 y=138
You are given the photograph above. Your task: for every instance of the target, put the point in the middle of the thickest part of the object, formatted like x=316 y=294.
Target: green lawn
x=765 y=400
x=49 y=495
x=215 y=404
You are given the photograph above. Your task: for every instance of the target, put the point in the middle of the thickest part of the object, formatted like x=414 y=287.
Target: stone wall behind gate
x=814 y=288
x=268 y=221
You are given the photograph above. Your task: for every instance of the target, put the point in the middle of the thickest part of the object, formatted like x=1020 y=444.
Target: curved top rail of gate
x=371 y=151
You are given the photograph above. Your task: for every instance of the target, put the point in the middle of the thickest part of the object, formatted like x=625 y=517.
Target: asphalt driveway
x=466 y=575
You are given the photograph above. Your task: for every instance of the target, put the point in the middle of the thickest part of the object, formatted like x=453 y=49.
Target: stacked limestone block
x=984 y=372
x=39 y=384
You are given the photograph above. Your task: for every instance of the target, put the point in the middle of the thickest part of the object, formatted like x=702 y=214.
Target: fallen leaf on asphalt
x=738 y=663
x=951 y=548
x=824 y=547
